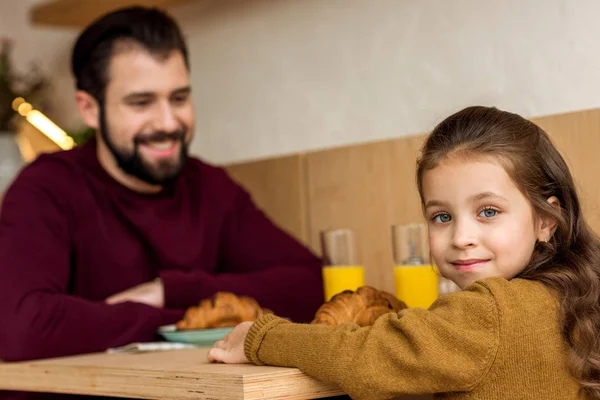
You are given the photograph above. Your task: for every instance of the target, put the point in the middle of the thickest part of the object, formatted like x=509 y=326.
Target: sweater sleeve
x=40 y=318
x=449 y=347
x=256 y=259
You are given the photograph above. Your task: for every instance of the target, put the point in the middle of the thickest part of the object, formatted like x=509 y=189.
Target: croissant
x=362 y=307
x=222 y=310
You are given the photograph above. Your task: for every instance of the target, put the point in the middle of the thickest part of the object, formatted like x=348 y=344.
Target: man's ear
x=547 y=225
x=89 y=109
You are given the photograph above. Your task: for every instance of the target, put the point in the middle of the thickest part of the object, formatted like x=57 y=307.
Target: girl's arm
x=449 y=347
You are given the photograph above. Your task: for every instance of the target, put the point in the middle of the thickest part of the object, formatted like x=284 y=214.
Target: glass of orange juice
x=416 y=279
x=342 y=269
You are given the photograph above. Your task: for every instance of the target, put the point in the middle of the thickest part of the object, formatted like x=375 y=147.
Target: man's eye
x=140 y=103
x=180 y=99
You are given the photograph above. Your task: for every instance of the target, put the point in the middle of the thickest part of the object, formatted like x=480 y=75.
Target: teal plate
x=199 y=337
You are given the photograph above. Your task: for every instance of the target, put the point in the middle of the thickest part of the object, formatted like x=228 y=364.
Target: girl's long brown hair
x=569 y=262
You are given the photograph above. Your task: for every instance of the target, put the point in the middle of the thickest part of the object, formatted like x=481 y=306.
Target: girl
x=505 y=224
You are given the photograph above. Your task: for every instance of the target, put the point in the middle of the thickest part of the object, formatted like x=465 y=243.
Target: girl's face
x=480 y=224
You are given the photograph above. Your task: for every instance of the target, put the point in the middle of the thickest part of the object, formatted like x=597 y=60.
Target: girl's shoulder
x=516 y=287
x=510 y=297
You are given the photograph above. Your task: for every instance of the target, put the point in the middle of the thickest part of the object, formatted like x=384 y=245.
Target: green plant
x=82 y=135
x=30 y=86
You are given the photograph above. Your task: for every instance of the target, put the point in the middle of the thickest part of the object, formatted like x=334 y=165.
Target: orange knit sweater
x=495 y=340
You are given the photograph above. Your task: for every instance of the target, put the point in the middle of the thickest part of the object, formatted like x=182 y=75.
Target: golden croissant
x=222 y=310
x=361 y=307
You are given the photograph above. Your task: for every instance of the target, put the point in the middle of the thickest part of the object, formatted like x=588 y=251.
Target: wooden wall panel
x=577 y=137
x=404 y=187
x=277 y=186
x=366 y=188
x=370 y=187
x=350 y=188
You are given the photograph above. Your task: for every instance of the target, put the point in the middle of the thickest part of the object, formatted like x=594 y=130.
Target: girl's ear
x=547 y=225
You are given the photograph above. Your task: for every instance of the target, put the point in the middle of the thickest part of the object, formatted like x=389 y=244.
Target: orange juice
x=338 y=278
x=416 y=285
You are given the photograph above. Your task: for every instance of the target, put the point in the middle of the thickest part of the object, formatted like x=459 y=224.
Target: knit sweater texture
x=495 y=340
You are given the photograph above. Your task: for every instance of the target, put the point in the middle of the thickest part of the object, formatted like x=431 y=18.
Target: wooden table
x=178 y=374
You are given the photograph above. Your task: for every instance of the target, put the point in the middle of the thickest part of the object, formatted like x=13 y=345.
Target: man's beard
x=132 y=163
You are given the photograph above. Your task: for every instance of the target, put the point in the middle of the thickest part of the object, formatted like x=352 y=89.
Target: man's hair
x=149 y=28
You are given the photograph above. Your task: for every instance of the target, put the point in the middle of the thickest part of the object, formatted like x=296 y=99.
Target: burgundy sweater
x=71 y=236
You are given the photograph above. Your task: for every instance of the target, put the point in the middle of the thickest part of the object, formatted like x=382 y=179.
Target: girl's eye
x=442 y=218
x=488 y=213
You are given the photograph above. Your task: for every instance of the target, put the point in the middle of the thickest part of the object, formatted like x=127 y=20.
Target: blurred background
x=273 y=77
x=318 y=106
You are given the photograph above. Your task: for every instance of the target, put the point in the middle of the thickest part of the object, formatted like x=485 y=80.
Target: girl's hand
x=230 y=350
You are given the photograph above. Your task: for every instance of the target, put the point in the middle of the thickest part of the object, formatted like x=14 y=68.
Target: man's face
x=147 y=118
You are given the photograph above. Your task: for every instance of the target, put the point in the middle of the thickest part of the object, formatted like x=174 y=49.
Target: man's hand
x=230 y=350
x=151 y=293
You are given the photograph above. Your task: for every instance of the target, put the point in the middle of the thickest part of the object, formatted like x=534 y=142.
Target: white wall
x=274 y=77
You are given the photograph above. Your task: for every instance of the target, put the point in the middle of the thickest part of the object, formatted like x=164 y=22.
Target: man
x=103 y=244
